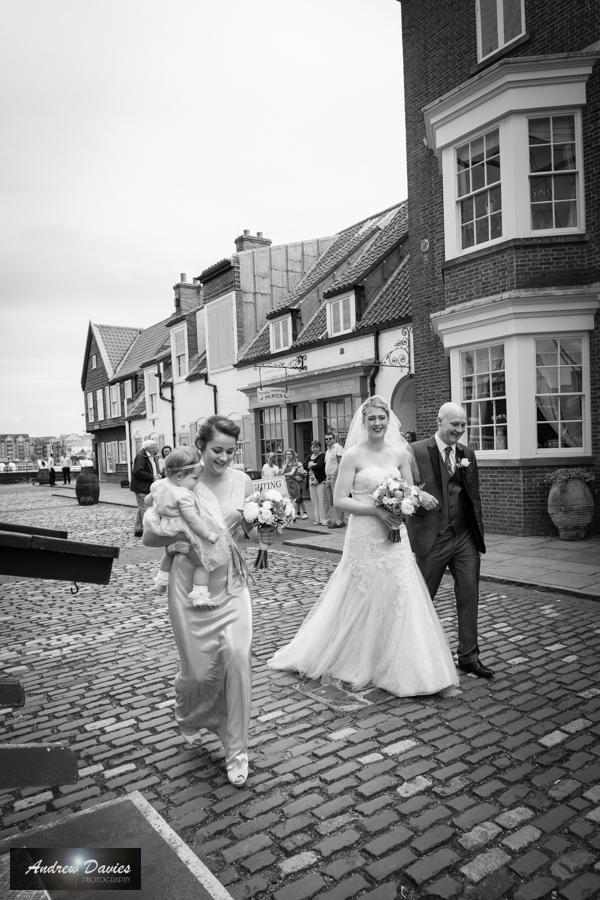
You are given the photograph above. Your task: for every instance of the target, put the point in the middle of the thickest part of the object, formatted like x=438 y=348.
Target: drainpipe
x=376 y=365
x=171 y=401
x=214 y=387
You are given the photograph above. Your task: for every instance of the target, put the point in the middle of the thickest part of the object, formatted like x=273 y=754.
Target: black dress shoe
x=476 y=668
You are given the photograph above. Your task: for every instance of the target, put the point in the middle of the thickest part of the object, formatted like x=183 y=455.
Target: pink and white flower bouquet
x=398 y=497
x=270 y=512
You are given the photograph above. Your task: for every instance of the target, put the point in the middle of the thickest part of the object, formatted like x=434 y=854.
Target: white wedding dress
x=374 y=623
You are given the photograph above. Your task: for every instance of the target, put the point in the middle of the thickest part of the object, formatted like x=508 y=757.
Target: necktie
x=448 y=451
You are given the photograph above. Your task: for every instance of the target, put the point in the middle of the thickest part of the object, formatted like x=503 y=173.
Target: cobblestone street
x=493 y=792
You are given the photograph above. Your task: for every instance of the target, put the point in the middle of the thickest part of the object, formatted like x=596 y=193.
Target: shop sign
x=272 y=395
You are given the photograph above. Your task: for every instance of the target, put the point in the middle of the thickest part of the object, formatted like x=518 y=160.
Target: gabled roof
x=392 y=302
x=146 y=347
x=391 y=233
x=113 y=342
x=345 y=244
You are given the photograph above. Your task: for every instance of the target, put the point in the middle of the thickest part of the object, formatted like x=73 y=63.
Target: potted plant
x=570 y=502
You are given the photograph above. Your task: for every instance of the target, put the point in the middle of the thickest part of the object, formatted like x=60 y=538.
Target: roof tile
x=391 y=233
x=146 y=346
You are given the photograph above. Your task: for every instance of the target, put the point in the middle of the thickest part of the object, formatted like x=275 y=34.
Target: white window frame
x=90 y=406
x=502 y=44
x=122 y=458
x=578 y=172
x=514 y=183
x=179 y=352
x=500 y=425
x=507 y=95
x=281 y=334
x=94 y=360
x=100 y=404
x=115 y=400
x=128 y=389
x=517 y=319
x=335 y=308
x=152 y=393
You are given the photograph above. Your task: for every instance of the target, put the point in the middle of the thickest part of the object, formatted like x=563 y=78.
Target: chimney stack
x=187 y=296
x=247 y=241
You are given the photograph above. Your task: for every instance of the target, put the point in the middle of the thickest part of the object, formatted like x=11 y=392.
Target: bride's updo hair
x=215 y=425
x=379 y=402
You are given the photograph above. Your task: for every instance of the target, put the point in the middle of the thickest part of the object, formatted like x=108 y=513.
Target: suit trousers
x=460 y=555
x=141 y=503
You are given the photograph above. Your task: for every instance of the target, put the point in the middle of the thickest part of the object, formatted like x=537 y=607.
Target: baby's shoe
x=201 y=598
x=161 y=582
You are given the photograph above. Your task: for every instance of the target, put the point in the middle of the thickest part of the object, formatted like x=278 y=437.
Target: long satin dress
x=213 y=688
x=374 y=623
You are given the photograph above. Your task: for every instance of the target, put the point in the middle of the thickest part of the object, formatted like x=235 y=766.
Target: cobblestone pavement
x=493 y=792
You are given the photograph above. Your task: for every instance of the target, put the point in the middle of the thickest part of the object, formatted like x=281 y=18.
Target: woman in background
x=315 y=466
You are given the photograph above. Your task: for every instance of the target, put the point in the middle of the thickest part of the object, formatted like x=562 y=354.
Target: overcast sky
x=140 y=137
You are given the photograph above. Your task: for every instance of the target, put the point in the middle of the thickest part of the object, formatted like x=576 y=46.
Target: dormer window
x=281 y=334
x=499 y=23
x=341 y=314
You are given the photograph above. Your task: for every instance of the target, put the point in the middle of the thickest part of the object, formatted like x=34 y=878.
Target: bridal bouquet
x=398 y=497
x=270 y=512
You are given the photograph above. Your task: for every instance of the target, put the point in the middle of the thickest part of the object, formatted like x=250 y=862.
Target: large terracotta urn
x=571 y=509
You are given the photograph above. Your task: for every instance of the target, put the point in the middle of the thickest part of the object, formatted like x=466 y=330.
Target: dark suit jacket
x=142 y=474
x=423 y=525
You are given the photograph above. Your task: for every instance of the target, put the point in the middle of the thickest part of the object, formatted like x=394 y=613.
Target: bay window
x=524 y=110
x=520 y=366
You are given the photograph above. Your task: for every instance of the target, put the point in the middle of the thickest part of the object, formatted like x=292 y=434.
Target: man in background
x=143 y=473
x=65 y=464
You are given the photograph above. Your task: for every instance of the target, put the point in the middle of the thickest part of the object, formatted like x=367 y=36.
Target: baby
x=173 y=508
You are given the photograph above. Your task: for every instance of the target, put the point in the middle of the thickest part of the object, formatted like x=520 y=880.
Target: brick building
x=502 y=126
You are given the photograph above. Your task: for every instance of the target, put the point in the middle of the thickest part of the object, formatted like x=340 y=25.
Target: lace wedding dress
x=374 y=623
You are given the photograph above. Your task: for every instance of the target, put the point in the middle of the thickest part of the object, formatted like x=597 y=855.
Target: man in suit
x=143 y=473
x=447 y=530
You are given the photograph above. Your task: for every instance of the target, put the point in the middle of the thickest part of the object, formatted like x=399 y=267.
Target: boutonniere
x=464 y=463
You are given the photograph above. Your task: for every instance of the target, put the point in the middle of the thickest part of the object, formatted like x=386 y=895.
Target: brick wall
x=515 y=498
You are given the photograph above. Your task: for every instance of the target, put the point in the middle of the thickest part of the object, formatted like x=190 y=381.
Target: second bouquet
x=270 y=512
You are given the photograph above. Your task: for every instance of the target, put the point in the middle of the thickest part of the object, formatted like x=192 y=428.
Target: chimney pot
x=246 y=231
x=259 y=234
x=183 y=277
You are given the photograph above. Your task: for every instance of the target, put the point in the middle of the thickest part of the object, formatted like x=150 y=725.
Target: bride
x=374 y=623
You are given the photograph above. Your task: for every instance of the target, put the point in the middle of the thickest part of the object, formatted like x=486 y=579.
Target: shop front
x=293 y=412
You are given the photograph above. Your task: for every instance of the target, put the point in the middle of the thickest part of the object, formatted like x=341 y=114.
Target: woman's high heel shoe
x=237 y=769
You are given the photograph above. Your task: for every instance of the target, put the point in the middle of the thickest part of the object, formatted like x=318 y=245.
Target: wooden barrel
x=43 y=476
x=87 y=488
